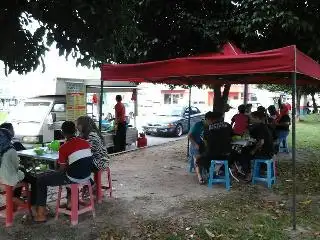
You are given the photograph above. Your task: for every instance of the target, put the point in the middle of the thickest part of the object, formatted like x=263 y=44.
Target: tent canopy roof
x=228 y=66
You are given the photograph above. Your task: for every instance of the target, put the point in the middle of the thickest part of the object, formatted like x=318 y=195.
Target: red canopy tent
x=285 y=65
x=273 y=66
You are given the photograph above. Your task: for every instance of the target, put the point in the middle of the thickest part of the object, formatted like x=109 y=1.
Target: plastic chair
x=7 y=210
x=271 y=172
x=75 y=203
x=97 y=180
x=213 y=178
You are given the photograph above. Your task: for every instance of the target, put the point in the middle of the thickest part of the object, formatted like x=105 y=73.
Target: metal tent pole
x=100 y=105
x=245 y=94
x=189 y=121
x=294 y=109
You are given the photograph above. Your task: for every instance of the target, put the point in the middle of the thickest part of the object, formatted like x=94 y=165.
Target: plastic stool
x=75 y=203
x=97 y=180
x=7 y=210
x=271 y=169
x=219 y=179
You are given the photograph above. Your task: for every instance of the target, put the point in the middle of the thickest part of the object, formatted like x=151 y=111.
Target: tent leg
x=294 y=109
x=100 y=105
x=189 y=121
x=245 y=94
x=136 y=109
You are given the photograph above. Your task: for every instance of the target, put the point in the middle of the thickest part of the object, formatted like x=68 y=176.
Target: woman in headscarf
x=9 y=164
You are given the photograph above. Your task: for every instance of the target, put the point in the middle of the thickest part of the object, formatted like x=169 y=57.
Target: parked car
x=202 y=106
x=172 y=121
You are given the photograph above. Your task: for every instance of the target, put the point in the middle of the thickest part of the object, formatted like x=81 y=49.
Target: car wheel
x=179 y=130
x=109 y=116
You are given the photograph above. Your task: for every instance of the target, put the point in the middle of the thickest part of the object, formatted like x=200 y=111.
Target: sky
x=56 y=66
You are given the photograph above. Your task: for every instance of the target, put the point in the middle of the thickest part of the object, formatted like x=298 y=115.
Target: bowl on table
x=39 y=151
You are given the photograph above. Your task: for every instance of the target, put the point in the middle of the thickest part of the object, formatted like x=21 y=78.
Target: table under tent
x=285 y=65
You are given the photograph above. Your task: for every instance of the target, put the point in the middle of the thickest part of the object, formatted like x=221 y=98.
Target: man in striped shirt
x=75 y=164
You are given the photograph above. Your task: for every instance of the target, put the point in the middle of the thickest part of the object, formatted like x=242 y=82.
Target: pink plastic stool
x=97 y=180
x=75 y=203
x=7 y=210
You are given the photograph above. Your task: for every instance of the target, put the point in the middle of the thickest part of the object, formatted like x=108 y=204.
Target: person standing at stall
x=121 y=128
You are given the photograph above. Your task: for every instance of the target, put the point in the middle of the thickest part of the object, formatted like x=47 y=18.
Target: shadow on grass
x=240 y=215
x=247 y=213
x=307 y=176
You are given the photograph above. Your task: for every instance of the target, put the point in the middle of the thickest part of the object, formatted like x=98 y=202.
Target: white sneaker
x=233 y=175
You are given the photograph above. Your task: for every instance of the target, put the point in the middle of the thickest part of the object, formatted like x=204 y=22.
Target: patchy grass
x=307 y=132
x=245 y=214
x=3 y=117
x=307 y=176
x=253 y=212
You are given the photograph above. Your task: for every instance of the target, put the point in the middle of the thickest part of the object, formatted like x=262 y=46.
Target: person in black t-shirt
x=264 y=148
x=217 y=138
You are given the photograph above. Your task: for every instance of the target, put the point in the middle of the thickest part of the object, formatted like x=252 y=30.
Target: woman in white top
x=9 y=162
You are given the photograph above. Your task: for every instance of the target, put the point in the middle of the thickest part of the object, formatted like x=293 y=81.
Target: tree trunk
x=221 y=99
x=314 y=104
x=217 y=100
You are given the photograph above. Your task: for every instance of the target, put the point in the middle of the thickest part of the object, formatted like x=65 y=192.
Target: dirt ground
x=147 y=184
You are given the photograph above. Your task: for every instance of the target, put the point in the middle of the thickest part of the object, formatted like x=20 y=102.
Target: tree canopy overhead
x=127 y=31
x=88 y=30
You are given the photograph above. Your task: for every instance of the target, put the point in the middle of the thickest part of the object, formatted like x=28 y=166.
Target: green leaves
x=125 y=31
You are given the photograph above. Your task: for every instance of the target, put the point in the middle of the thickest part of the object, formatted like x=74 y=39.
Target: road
x=155 y=140
x=152 y=140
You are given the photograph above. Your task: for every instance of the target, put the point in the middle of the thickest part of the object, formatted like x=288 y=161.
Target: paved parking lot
x=156 y=140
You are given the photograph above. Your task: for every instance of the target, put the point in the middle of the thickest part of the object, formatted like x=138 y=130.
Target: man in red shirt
x=240 y=121
x=120 y=120
x=75 y=161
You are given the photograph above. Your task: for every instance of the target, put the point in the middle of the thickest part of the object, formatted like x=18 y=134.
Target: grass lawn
x=254 y=212
x=308 y=131
x=3 y=117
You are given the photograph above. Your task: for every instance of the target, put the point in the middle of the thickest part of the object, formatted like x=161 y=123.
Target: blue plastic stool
x=271 y=176
x=213 y=178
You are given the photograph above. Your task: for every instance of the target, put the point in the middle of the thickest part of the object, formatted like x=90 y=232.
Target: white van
x=39 y=120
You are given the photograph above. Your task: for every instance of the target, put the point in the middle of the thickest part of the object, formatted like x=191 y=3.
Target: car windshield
x=30 y=112
x=170 y=111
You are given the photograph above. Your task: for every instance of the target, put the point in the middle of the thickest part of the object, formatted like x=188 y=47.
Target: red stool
x=75 y=203
x=97 y=180
x=7 y=211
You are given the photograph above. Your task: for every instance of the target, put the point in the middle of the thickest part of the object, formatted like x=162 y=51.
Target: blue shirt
x=197 y=132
